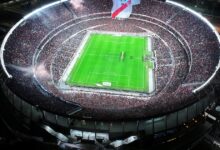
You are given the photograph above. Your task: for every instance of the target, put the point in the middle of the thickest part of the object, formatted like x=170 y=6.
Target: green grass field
x=112 y=62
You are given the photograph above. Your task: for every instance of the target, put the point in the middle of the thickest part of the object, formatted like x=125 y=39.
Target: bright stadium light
x=43 y=7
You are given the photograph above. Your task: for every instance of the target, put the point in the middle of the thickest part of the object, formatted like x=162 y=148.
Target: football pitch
x=117 y=62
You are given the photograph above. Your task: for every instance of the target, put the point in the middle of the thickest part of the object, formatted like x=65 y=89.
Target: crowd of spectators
x=52 y=36
x=203 y=44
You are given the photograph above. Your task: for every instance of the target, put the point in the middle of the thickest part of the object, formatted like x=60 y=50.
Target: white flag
x=123 y=8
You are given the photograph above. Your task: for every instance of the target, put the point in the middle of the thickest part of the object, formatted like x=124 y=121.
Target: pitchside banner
x=123 y=8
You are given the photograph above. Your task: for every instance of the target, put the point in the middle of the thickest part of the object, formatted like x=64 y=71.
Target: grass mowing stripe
x=76 y=68
x=100 y=62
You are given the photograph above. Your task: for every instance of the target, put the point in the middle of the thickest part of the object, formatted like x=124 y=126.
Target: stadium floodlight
x=43 y=7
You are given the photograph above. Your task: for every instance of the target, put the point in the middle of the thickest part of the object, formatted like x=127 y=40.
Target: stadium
x=81 y=68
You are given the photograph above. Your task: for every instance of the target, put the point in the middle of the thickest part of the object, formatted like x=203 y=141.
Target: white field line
x=86 y=29
x=144 y=34
x=78 y=52
x=151 y=80
x=75 y=57
x=149 y=45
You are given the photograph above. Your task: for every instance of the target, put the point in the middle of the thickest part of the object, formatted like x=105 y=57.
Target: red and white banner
x=123 y=8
